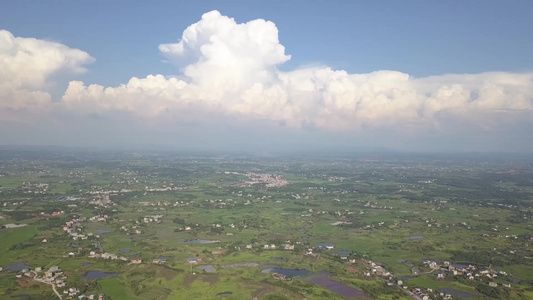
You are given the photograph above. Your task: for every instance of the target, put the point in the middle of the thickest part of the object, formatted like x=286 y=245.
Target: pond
x=97 y=275
x=200 y=241
x=337 y=287
x=207 y=268
x=85 y=264
x=225 y=293
x=415 y=237
x=17 y=267
x=240 y=265
x=102 y=231
x=125 y=250
x=14 y=225
x=457 y=293
x=280 y=259
x=287 y=272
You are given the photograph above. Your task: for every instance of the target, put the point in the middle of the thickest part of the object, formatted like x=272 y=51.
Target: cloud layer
x=230 y=70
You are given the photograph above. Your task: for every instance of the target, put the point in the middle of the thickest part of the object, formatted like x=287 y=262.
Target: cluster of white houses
x=99 y=218
x=56 y=277
x=74 y=230
x=468 y=271
x=270 y=180
x=106 y=255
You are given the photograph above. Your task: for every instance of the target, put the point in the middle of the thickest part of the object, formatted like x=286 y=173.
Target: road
x=55 y=291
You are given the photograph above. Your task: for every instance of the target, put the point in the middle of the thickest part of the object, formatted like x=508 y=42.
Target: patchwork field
x=264 y=228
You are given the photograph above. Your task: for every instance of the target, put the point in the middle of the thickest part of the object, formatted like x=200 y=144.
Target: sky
x=267 y=76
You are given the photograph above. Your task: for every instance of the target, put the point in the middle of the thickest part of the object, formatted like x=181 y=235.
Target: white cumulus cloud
x=223 y=55
x=26 y=64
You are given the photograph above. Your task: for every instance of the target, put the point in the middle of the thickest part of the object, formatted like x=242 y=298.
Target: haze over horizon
x=414 y=76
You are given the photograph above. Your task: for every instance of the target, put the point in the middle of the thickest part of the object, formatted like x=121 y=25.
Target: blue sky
x=417 y=37
x=420 y=38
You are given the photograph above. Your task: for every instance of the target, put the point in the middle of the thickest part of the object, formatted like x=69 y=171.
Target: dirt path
x=316 y=261
x=428 y=272
x=51 y=263
x=55 y=291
